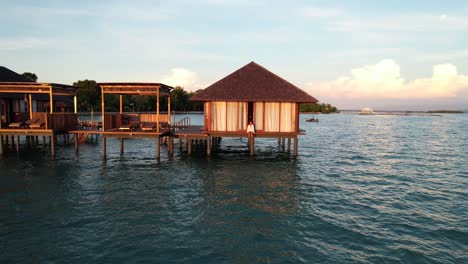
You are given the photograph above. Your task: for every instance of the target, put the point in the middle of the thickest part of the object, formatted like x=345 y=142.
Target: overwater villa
x=253 y=94
x=34 y=110
x=367 y=111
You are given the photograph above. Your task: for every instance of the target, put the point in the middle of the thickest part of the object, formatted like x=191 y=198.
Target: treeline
x=89 y=97
x=318 y=108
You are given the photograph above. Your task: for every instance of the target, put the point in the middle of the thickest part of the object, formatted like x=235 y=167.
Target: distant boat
x=367 y=111
x=313 y=119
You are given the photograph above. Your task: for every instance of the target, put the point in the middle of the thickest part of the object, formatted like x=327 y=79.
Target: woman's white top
x=250 y=128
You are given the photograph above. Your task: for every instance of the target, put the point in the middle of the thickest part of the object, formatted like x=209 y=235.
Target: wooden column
x=52 y=146
x=75 y=104
x=296 y=144
x=76 y=143
x=252 y=144
x=289 y=144
x=51 y=100
x=17 y=143
x=1 y=144
x=30 y=107
x=208 y=146
x=121 y=104
x=103 y=147
x=158 y=147
x=102 y=110
x=189 y=146
x=157 y=111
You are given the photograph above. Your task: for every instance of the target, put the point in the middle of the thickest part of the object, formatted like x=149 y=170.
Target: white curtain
x=258 y=116
x=218 y=116
x=272 y=117
x=242 y=116
x=232 y=112
x=287 y=118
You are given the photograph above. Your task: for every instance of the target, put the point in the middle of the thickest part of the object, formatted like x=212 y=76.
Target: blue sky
x=392 y=55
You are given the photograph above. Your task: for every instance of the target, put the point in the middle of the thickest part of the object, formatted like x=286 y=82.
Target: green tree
x=89 y=95
x=31 y=76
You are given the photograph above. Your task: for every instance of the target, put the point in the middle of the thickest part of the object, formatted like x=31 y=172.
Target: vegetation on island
x=89 y=98
x=318 y=108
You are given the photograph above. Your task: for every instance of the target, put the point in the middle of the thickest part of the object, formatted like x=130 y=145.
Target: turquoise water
x=364 y=189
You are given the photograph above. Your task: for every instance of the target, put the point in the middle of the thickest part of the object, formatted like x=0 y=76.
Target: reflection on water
x=363 y=189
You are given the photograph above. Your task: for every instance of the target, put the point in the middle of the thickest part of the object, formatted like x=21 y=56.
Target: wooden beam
x=121 y=101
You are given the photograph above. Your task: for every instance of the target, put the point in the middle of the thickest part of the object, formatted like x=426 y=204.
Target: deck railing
x=183 y=123
x=61 y=121
x=115 y=120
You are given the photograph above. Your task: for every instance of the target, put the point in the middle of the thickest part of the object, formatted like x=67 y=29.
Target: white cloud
x=383 y=81
x=185 y=78
x=319 y=12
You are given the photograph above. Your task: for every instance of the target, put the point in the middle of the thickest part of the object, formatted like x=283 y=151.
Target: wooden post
x=279 y=141
x=76 y=143
x=189 y=146
x=103 y=147
x=51 y=100
x=296 y=144
x=102 y=110
x=12 y=142
x=283 y=141
x=44 y=141
x=180 y=143
x=17 y=143
x=158 y=148
x=121 y=146
x=52 y=146
x=157 y=111
x=30 y=107
x=121 y=102
x=1 y=144
x=252 y=144
x=208 y=146
x=289 y=144
x=75 y=104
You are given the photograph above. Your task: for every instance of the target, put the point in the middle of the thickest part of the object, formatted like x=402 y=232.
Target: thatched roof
x=253 y=83
x=7 y=75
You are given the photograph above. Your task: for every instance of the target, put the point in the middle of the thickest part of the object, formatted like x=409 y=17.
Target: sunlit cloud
x=183 y=77
x=384 y=81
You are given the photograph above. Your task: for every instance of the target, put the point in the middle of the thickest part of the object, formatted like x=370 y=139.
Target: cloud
x=319 y=12
x=384 y=81
x=182 y=77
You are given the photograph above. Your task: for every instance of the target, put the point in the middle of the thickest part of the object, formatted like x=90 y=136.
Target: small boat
x=313 y=119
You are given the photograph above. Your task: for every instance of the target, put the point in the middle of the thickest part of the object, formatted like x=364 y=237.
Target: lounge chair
x=28 y=123
x=38 y=124
x=131 y=126
x=148 y=126
x=16 y=125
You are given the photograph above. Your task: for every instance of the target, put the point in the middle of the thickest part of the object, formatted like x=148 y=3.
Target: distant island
x=446 y=112
x=318 y=108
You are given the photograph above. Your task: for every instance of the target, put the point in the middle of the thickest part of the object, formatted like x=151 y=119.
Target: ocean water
x=364 y=189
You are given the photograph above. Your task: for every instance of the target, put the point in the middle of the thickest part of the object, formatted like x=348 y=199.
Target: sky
x=387 y=55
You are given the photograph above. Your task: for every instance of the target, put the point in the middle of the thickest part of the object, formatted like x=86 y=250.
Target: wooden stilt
x=208 y=147
x=6 y=142
x=296 y=144
x=180 y=143
x=52 y=146
x=279 y=141
x=12 y=142
x=189 y=146
x=17 y=143
x=44 y=141
x=121 y=146
x=76 y=144
x=103 y=147
x=289 y=144
x=283 y=142
x=158 y=148
x=252 y=144
x=1 y=145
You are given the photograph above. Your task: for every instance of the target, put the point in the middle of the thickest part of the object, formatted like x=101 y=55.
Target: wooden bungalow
x=134 y=125
x=34 y=109
x=255 y=94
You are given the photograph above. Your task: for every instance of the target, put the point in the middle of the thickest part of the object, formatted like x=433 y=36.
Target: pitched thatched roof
x=253 y=83
x=7 y=75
